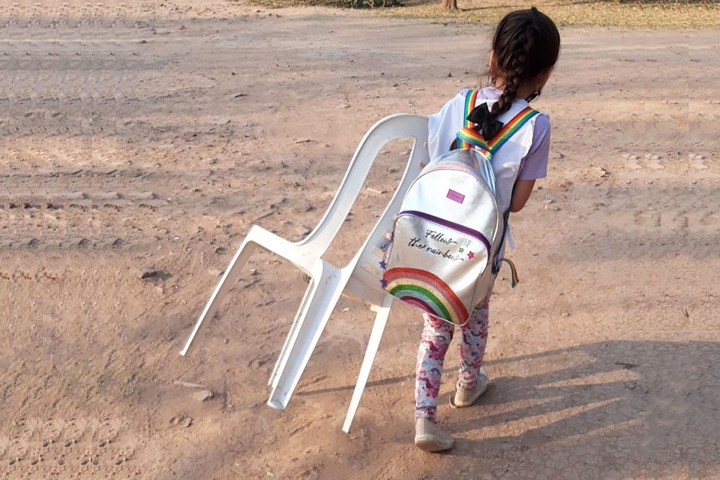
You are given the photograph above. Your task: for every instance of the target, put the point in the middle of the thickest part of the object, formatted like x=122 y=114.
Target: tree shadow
x=633 y=407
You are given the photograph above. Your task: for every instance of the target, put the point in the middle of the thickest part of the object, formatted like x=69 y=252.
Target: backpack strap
x=468 y=137
x=514 y=280
x=470 y=100
x=511 y=128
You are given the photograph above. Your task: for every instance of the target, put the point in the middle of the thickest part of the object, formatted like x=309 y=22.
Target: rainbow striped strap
x=470 y=100
x=462 y=142
x=511 y=128
x=514 y=280
x=468 y=137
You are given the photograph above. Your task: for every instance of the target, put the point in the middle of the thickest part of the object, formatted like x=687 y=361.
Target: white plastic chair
x=359 y=279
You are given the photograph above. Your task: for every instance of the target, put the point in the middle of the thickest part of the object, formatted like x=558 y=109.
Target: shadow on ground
x=612 y=408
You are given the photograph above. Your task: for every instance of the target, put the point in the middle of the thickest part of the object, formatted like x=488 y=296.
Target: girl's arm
x=521 y=194
x=533 y=166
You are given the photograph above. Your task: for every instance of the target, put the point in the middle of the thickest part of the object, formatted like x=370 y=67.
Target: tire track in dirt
x=148 y=136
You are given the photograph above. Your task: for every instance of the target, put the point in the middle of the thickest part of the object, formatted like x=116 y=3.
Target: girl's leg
x=472 y=347
x=434 y=343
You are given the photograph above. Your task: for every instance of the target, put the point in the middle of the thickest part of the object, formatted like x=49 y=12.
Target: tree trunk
x=449 y=4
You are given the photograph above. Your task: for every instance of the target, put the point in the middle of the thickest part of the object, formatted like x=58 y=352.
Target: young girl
x=525 y=48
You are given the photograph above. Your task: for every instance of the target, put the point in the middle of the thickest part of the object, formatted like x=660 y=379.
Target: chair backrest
x=389 y=128
x=366 y=274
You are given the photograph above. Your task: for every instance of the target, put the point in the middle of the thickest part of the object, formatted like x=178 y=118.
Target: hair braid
x=526 y=43
x=515 y=71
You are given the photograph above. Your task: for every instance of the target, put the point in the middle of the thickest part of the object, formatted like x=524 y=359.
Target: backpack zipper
x=460 y=168
x=457 y=168
x=448 y=224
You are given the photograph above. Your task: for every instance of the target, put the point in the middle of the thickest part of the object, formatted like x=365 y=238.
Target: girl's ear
x=544 y=77
x=491 y=62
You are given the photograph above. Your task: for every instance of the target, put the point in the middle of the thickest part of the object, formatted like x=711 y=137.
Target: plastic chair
x=359 y=279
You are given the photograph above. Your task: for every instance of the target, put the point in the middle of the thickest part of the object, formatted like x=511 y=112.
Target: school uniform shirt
x=531 y=143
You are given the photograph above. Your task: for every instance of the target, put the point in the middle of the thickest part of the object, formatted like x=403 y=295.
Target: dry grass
x=634 y=15
x=605 y=14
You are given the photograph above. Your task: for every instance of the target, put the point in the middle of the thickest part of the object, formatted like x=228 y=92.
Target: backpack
x=444 y=250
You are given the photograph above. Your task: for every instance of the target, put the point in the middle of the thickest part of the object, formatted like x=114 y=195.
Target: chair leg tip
x=276 y=404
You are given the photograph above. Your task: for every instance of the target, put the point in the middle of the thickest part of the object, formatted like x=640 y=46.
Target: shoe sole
x=427 y=444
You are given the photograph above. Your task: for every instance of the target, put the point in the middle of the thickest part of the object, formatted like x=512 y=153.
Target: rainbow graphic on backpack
x=446 y=242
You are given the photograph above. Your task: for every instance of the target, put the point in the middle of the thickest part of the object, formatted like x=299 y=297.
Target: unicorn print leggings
x=434 y=344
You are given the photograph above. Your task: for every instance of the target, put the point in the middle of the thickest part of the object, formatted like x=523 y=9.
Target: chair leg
x=256 y=237
x=375 y=336
x=282 y=358
x=327 y=290
x=230 y=278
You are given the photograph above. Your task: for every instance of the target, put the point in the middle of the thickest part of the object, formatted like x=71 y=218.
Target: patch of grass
x=296 y=3
x=634 y=14
x=602 y=14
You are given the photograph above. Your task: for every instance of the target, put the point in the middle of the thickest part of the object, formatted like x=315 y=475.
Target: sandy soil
x=148 y=137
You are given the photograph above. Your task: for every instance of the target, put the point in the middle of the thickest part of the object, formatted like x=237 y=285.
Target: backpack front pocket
x=434 y=264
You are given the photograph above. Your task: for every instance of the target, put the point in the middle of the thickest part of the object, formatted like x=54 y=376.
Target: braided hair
x=526 y=43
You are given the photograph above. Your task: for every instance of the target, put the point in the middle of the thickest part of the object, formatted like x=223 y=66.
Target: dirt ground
x=144 y=139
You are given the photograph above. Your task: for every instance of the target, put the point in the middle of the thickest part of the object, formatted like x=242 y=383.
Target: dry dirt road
x=151 y=135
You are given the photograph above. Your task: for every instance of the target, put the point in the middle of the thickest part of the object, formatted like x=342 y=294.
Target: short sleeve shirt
x=449 y=120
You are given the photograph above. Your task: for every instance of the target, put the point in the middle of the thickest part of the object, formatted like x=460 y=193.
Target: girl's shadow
x=658 y=402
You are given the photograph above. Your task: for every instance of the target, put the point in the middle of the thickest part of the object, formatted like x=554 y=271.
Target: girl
x=525 y=48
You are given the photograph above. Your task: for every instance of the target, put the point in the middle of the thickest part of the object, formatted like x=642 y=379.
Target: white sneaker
x=430 y=437
x=465 y=397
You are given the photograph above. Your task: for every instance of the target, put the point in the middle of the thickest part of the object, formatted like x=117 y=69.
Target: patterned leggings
x=434 y=344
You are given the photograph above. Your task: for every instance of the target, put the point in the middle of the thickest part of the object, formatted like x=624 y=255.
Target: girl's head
x=525 y=48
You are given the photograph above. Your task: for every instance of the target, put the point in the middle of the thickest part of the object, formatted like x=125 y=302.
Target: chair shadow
x=645 y=407
x=350 y=388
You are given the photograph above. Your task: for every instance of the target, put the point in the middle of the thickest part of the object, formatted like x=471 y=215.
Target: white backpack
x=445 y=247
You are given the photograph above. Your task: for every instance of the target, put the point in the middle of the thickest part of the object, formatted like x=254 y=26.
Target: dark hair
x=526 y=43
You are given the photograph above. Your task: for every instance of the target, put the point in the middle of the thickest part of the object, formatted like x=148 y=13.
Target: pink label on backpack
x=455 y=196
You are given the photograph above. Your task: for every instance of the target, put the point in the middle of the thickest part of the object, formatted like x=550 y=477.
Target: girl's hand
x=521 y=194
